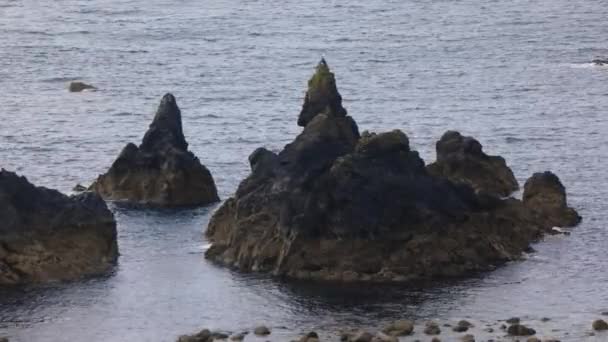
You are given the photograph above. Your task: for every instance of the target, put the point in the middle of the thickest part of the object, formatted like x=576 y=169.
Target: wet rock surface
x=462 y=160
x=48 y=236
x=339 y=205
x=546 y=195
x=77 y=86
x=478 y=332
x=161 y=171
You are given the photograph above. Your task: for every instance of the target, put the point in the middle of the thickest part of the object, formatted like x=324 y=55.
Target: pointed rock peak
x=322 y=96
x=166 y=128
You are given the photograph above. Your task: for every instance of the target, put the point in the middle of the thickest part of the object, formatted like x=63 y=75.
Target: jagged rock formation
x=161 y=171
x=46 y=235
x=462 y=160
x=337 y=205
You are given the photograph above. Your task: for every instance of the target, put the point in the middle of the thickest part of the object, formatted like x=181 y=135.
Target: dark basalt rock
x=322 y=96
x=462 y=160
x=161 y=171
x=545 y=194
x=76 y=87
x=600 y=62
x=47 y=236
x=337 y=205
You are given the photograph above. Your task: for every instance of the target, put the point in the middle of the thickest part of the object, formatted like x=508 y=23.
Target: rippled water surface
x=514 y=74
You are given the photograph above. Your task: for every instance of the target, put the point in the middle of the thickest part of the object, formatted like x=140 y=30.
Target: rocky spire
x=166 y=129
x=322 y=96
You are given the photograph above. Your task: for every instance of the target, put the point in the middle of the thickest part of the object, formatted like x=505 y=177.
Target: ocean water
x=514 y=74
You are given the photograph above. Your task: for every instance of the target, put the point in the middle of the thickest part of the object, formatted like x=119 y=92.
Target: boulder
x=599 y=325
x=310 y=337
x=160 y=171
x=48 y=236
x=203 y=336
x=520 y=330
x=468 y=338
x=76 y=87
x=382 y=337
x=261 y=331
x=600 y=61
x=462 y=326
x=432 y=328
x=338 y=205
x=545 y=194
x=462 y=160
x=399 y=328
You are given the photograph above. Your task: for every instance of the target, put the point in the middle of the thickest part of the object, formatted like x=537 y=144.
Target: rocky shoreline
x=340 y=205
x=464 y=330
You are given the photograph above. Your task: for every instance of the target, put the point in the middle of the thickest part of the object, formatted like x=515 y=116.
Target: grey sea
x=514 y=74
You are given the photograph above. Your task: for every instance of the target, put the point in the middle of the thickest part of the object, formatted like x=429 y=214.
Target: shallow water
x=513 y=74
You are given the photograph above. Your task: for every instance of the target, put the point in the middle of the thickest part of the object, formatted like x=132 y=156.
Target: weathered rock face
x=161 y=171
x=47 y=236
x=337 y=205
x=462 y=160
x=546 y=195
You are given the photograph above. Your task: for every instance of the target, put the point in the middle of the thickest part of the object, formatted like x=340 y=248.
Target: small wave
x=586 y=65
x=60 y=79
x=210 y=116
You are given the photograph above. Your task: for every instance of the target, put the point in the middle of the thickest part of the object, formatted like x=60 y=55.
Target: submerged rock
x=161 y=171
x=337 y=205
x=77 y=86
x=47 y=236
x=462 y=160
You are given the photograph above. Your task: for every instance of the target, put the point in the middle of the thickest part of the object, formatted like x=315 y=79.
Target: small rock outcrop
x=520 y=330
x=76 y=87
x=161 y=171
x=599 y=325
x=339 y=205
x=462 y=160
x=48 y=236
x=545 y=194
x=600 y=61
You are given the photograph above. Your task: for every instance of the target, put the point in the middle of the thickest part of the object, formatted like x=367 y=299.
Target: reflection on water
x=515 y=75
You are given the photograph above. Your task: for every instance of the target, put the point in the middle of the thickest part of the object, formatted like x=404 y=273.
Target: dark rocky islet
x=339 y=205
x=48 y=236
x=161 y=171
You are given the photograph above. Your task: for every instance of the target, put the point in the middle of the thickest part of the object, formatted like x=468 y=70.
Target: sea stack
x=47 y=236
x=161 y=171
x=339 y=205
